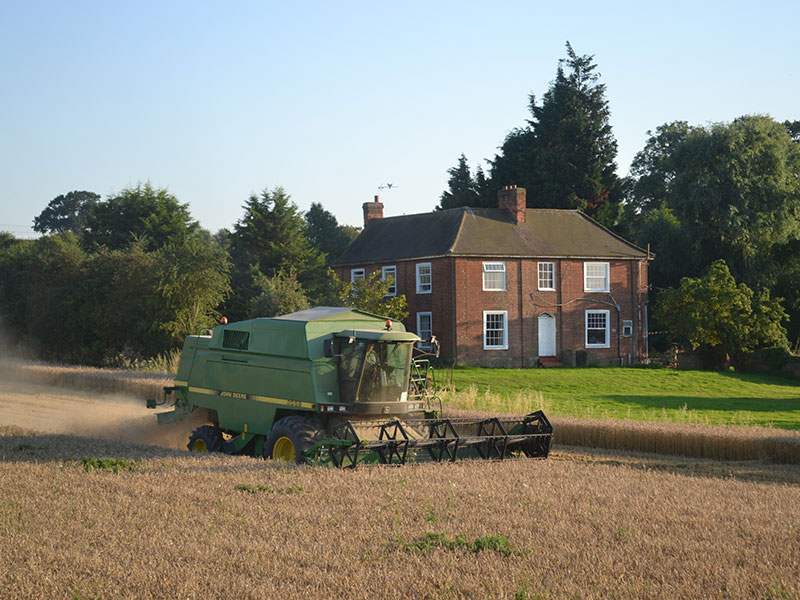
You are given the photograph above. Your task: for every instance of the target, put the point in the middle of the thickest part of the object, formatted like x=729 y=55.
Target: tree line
x=128 y=277
x=712 y=202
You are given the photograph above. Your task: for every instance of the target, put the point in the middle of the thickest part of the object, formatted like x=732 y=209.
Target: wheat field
x=158 y=523
x=89 y=513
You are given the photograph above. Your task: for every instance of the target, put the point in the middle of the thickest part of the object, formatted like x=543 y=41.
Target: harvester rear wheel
x=289 y=438
x=205 y=439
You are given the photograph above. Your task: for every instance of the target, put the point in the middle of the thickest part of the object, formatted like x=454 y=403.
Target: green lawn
x=632 y=393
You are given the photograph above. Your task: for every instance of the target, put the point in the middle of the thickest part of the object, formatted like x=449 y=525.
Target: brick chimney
x=373 y=210
x=514 y=200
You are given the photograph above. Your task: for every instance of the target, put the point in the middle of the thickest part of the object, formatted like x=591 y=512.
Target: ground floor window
x=495 y=330
x=425 y=329
x=597 y=329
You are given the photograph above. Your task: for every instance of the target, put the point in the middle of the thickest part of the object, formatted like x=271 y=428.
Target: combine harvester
x=330 y=385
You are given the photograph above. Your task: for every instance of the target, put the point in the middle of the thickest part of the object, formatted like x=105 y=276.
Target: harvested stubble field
x=159 y=523
x=172 y=525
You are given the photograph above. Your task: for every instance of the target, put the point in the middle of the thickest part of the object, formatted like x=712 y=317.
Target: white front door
x=547 y=335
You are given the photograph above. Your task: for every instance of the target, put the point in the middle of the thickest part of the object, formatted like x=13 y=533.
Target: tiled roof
x=486 y=232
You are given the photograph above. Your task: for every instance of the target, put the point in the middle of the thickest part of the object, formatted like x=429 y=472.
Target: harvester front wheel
x=289 y=438
x=205 y=439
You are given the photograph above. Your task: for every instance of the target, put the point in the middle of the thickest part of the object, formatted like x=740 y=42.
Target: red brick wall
x=438 y=302
x=458 y=300
x=628 y=284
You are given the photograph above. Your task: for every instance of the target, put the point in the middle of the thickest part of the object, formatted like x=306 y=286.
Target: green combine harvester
x=330 y=385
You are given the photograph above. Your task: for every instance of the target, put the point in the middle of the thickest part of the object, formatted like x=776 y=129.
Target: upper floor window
x=387 y=272
x=356 y=275
x=425 y=329
x=595 y=277
x=547 y=276
x=495 y=330
x=424 y=278
x=597 y=325
x=494 y=276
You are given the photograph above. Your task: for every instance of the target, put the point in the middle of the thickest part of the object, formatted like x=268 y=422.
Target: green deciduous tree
x=369 y=295
x=68 y=304
x=192 y=278
x=67 y=212
x=653 y=168
x=793 y=127
x=734 y=189
x=125 y=309
x=717 y=311
x=44 y=302
x=280 y=295
x=141 y=212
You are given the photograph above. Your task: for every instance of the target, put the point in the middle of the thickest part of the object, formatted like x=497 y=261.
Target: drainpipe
x=559 y=308
x=646 y=335
x=454 y=308
x=619 y=335
x=521 y=316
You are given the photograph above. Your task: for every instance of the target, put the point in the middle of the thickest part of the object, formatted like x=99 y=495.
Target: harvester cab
x=333 y=385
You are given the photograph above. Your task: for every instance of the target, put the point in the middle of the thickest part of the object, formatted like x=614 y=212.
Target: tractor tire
x=289 y=438
x=205 y=439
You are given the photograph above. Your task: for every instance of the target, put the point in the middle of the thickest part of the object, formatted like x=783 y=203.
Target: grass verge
x=660 y=395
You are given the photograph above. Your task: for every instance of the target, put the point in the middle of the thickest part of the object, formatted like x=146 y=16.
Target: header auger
x=330 y=385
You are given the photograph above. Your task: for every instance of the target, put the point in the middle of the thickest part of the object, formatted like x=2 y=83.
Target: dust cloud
x=94 y=403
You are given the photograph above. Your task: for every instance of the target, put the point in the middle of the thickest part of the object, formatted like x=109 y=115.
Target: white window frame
x=492 y=267
x=357 y=274
x=390 y=270
x=586 y=277
x=423 y=288
x=504 y=344
x=627 y=327
x=607 y=313
x=425 y=344
x=552 y=276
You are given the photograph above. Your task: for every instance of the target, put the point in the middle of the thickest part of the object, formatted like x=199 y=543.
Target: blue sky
x=330 y=100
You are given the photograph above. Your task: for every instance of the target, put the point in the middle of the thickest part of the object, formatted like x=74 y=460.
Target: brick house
x=510 y=286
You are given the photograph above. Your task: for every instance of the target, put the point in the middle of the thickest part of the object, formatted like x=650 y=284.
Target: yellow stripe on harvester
x=239 y=395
